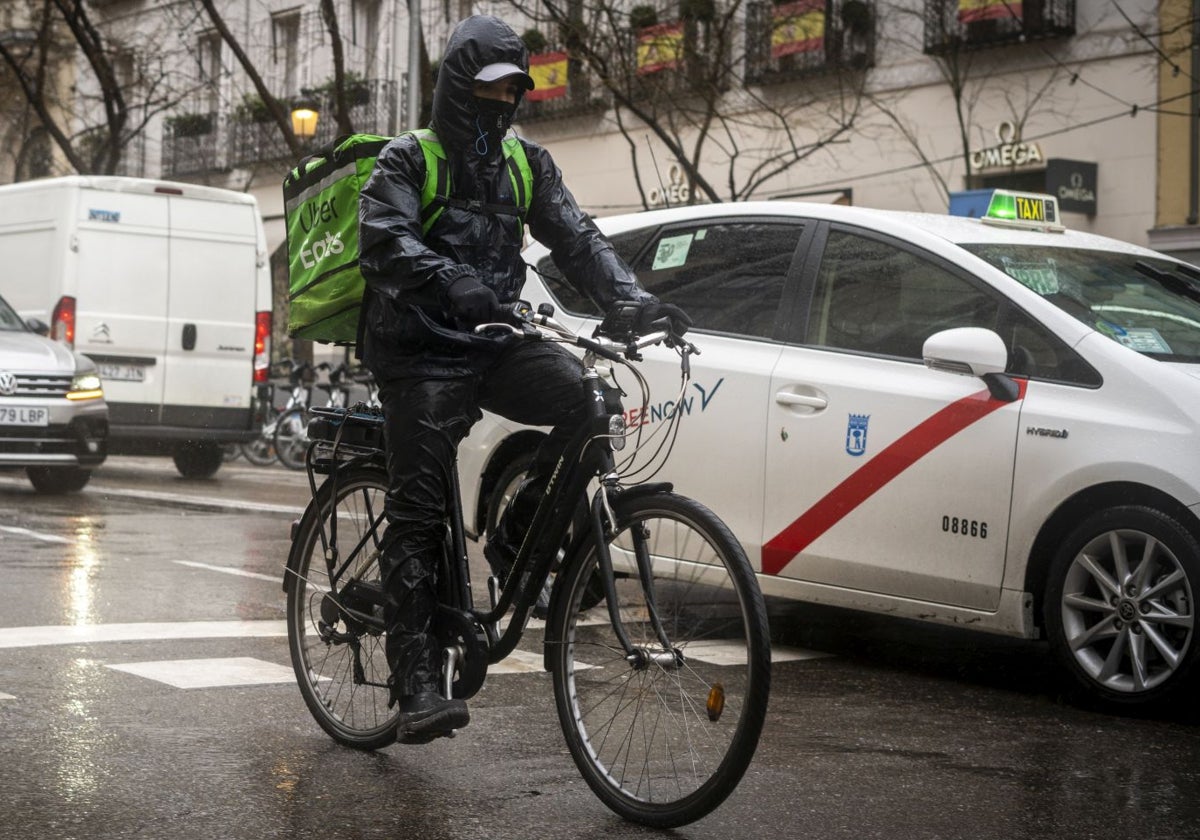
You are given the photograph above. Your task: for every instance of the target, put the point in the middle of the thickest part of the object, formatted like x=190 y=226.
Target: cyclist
x=425 y=293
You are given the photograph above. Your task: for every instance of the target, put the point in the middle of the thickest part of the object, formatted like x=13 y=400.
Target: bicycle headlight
x=616 y=431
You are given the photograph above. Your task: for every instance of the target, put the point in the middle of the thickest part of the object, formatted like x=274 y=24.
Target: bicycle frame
x=586 y=456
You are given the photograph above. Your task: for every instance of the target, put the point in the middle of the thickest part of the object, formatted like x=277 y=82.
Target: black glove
x=651 y=312
x=471 y=301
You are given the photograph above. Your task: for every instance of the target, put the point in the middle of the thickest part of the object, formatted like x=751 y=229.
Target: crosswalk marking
x=210 y=673
x=21 y=637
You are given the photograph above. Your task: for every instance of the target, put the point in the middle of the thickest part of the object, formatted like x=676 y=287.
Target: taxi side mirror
x=972 y=351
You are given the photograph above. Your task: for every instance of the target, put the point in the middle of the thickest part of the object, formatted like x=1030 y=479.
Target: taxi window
x=874 y=297
x=627 y=245
x=728 y=276
x=1146 y=304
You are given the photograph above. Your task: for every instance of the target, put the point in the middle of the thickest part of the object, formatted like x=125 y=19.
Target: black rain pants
x=533 y=383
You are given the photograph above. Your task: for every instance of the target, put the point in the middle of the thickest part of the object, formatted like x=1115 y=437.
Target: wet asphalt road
x=901 y=731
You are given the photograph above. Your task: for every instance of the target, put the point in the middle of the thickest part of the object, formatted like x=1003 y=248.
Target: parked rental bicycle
x=657 y=639
x=291 y=429
x=262 y=451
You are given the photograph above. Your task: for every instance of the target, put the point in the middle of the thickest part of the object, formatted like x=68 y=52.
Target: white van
x=166 y=286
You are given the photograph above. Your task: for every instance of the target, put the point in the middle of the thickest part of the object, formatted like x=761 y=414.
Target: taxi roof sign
x=1033 y=211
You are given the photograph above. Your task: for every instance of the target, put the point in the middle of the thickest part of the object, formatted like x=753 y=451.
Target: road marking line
x=199 y=501
x=25 y=532
x=20 y=637
x=229 y=571
x=4 y=696
x=210 y=673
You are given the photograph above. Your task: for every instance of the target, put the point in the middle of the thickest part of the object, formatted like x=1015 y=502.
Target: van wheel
x=510 y=480
x=58 y=479
x=198 y=459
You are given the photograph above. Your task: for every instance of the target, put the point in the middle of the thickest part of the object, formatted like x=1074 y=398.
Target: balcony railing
x=190 y=144
x=789 y=40
x=952 y=25
x=197 y=142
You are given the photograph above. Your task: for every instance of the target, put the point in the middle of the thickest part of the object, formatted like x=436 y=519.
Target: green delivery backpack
x=325 y=287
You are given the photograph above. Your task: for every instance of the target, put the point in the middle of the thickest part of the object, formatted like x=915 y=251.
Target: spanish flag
x=972 y=11
x=659 y=47
x=798 y=27
x=549 y=74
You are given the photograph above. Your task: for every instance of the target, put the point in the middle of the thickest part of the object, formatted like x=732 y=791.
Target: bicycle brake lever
x=480 y=329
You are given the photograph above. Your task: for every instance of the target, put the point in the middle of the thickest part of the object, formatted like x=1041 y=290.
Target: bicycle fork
x=669 y=657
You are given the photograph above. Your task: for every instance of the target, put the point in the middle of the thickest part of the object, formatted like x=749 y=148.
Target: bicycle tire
x=291 y=438
x=353 y=710
x=632 y=731
x=260 y=451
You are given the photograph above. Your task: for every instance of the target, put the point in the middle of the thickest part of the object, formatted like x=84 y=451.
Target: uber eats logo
x=322 y=248
x=320 y=211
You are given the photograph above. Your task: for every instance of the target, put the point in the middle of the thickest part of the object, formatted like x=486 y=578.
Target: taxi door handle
x=790 y=398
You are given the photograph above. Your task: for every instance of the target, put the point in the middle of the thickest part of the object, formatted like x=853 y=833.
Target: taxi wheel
x=1120 y=606
x=507 y=484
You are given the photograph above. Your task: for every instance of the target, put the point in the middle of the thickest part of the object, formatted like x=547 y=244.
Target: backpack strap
x=435 y=195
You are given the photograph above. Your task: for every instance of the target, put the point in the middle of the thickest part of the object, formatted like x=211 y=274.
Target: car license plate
x=122 y=372
x=21 y=415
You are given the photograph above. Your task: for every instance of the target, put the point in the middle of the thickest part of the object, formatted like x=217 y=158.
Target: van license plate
x=122 y=373
x=20 y=415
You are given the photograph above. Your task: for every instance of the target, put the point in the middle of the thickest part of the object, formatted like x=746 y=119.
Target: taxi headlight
x=85 y=386
x=616 y=431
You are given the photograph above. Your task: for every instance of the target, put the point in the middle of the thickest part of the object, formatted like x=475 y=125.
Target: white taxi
x=991 y=423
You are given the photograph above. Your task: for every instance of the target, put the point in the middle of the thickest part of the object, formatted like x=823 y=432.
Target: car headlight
x=85 y=386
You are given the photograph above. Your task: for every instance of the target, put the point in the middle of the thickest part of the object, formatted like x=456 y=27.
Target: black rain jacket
x=408 y=330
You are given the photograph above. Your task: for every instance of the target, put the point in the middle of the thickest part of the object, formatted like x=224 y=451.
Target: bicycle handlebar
x=523 y=322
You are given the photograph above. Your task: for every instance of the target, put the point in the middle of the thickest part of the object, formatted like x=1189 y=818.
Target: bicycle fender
x=552 y=636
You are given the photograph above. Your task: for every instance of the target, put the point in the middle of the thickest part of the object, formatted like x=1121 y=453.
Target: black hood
x=475 y=43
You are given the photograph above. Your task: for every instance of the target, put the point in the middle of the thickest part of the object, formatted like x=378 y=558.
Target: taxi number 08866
x=965 y=527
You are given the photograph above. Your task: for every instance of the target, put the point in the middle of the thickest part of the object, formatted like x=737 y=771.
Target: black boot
x=427 y=715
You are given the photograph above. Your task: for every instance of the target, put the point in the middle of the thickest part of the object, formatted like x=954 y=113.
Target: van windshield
x=10 y=321
x=1149 y=305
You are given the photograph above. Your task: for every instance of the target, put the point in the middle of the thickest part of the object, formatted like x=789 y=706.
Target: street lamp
x=304 y=119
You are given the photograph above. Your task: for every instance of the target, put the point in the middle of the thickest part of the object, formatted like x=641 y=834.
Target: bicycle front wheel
x=339 y=659
x=291 y=439
x=665 y=739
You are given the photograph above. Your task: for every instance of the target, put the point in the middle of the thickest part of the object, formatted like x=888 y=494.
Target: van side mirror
x=38 y=326
x=972 y=351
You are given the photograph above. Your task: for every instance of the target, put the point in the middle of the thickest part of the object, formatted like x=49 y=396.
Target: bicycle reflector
x=716 y=701
x=616 y=431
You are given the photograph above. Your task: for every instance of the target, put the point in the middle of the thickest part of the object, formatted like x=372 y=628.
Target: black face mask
x=493 y=122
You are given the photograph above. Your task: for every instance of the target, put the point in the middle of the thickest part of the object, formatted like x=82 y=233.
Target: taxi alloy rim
x=1127 y=611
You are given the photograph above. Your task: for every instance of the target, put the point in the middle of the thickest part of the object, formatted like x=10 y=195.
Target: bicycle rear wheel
x=260 y=451
x=339 y=660
x=663 y=742
x=291 y=438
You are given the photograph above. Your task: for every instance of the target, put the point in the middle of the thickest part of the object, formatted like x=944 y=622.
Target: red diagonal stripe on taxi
x=873 y=475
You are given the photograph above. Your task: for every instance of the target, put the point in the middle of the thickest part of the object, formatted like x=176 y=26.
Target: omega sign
x=1010 y=152
x=675 y=191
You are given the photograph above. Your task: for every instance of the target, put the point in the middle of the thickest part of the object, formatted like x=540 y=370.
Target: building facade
x=899 y=105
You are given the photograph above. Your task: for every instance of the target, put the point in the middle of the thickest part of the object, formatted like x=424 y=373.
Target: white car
x=991 y=423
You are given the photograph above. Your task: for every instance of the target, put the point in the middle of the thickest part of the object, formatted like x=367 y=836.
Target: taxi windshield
x=1149 y=305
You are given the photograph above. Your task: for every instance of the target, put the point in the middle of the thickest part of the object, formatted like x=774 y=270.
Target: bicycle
x=657 y=638
x=262 y=451
x=290 y=436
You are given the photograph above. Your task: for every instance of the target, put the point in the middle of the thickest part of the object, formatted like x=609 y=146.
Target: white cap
x=494 y=72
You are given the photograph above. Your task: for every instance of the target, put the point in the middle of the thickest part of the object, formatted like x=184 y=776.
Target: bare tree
x=95 y=117
x=704 y=101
